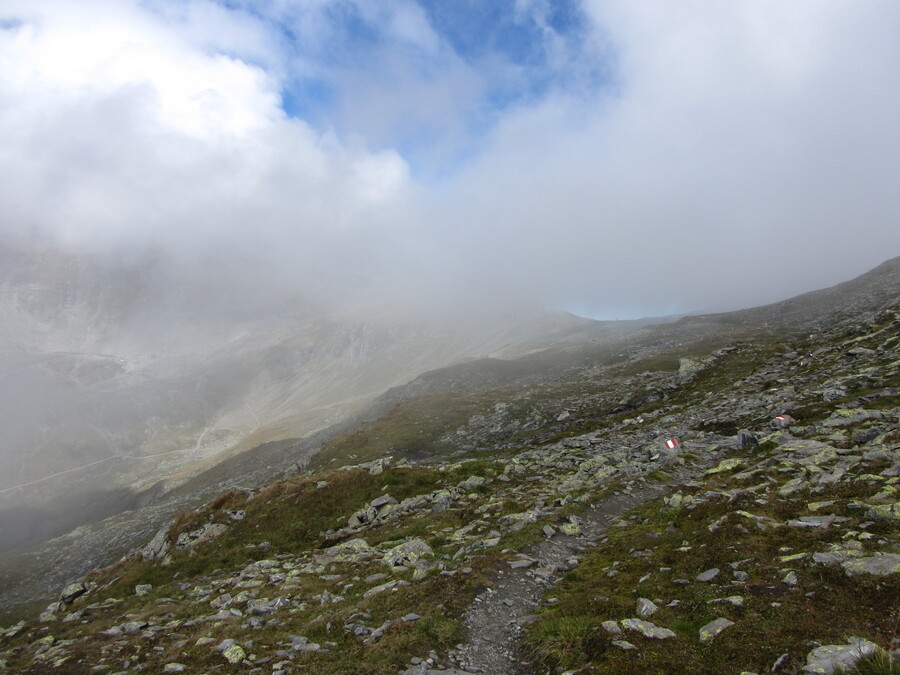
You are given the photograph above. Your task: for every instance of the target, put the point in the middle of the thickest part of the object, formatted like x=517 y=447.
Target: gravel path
x=495 y=621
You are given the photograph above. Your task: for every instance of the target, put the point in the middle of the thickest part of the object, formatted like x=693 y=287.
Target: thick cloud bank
x=618 y=160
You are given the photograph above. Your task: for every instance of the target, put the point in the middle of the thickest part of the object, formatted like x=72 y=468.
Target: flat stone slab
x=708 y=575
x=647 y=629
x=714 y=628
x=830 y=659
x=879 y=565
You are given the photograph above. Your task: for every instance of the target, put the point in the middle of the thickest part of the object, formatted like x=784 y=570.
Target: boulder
x=353 y=550
x=409 y=553
x=71 y=592
x=158 y=547
x=714 y=628
x=831 y=659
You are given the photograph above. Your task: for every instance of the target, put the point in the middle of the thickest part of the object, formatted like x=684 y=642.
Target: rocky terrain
x=715 y=495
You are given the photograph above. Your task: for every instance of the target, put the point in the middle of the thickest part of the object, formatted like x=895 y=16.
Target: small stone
x=790 y=579
x=411 y=617
x=174 y=668
x=623 y=644
x=611 y=627
x=549 y=531
x=708 y=575
x=646 y=607
x=142 y=589
x=713 y=628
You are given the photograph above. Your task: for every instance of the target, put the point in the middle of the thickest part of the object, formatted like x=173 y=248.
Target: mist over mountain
x=120 y=380
x=234 y=231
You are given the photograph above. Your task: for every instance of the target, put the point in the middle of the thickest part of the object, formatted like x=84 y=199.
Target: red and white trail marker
x=672 y=443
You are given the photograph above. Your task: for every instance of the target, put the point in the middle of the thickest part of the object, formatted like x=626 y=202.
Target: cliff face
x=713 y=494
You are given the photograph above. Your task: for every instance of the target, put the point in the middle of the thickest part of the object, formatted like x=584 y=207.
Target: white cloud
x=123 y=133
x=753 y=143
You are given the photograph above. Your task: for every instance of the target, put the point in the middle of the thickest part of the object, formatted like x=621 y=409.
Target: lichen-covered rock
x=881 y=564
x=158 y=547
x=408 y=553
x=726 y=465
x=200 y=535
x=353 y=550
x=71 y=592
x=234 y=654
x=714 y=628
x=884 y=512
x=647 y=629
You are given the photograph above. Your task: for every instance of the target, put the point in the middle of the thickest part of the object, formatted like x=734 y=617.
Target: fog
x=229 y=223
x=648 y=159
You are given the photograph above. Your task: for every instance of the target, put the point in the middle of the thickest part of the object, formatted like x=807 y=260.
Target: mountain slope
x=500 y=492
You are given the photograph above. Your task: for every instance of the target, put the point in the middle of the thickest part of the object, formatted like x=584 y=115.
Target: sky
x=608 y=157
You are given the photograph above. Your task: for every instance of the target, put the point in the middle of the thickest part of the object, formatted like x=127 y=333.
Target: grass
x=775 y=618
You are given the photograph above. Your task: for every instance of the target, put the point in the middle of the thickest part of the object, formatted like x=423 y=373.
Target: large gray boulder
x=831 y=659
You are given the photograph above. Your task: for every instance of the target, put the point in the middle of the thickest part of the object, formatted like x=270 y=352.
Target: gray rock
x=646 y=607
x=831 y=659
x=714 y=628
x=385 y=587
x=200 y=535
x=623 y=644
x=708 y=575
x=72 y=591
x=158 y=547
x=520 y=564
x=408 y=553
x=783 y=421
x=879 y=565
x=647 y=629
x=471 y=483
x=383 y=500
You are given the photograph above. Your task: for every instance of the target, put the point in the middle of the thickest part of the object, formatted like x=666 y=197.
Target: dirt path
x=495 y=621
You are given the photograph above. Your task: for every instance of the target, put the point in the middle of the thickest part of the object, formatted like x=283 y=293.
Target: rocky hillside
x=715 y=496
